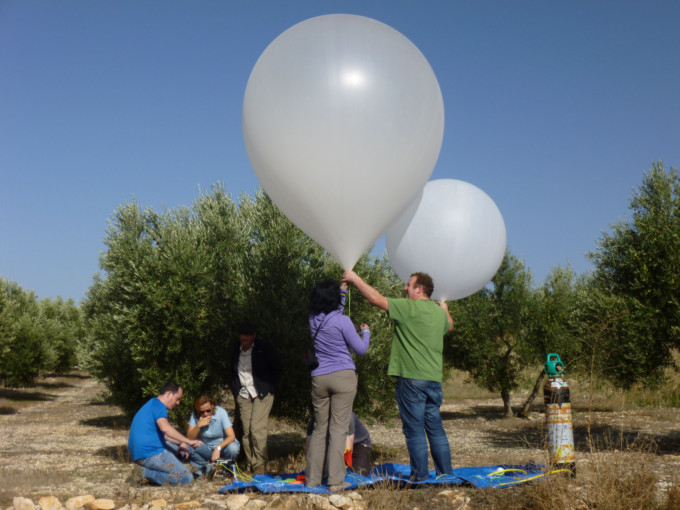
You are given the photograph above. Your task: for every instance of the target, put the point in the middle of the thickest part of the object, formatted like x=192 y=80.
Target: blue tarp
x=480 y=477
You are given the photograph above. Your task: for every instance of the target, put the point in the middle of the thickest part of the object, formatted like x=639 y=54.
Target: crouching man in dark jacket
x=255 y=371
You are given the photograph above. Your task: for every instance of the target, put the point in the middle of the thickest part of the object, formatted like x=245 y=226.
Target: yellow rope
x=240 y=474
x=555 y=471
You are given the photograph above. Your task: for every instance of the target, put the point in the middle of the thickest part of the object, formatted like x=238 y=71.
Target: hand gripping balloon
x=343 y=122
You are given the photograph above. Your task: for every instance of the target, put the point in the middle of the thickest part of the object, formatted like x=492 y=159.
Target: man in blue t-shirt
x=150 y=433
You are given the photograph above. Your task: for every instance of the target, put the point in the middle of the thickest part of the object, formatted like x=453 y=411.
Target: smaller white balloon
x=454 y=232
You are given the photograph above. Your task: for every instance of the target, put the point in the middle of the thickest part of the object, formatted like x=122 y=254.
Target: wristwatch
x=219 y=448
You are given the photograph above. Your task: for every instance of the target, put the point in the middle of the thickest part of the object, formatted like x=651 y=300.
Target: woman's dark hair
x=325 y=297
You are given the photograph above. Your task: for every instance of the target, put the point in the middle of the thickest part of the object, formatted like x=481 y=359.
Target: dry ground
x=57 y=438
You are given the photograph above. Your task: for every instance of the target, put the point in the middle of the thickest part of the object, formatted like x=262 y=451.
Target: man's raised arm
x=372 y=295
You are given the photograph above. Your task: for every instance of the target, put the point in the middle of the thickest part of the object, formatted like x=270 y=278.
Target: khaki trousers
x=332 y=398
x=254 y=414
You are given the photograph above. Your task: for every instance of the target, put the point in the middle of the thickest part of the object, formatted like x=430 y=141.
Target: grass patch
x=459 y=386
x=14 y=481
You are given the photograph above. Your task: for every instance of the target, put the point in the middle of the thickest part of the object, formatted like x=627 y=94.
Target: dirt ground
x=57 y=438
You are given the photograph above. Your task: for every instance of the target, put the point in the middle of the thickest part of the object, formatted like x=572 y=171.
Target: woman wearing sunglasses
x=211 y=424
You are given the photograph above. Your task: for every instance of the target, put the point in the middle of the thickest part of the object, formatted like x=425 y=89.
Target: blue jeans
x=165 y=467
x=201 y=457
x=419 y=402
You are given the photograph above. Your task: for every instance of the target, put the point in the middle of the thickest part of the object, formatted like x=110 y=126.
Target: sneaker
x=339 y=487
x=259 y=470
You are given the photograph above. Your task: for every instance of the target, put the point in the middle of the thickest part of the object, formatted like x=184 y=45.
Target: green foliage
x=178 y=283
x=169 y=302
x=492 y=330
x=555 y=302
x=603 y=324
x=638 y=265
x=35 y=336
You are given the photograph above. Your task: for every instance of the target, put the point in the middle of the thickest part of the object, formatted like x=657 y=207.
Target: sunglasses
x=208 y=411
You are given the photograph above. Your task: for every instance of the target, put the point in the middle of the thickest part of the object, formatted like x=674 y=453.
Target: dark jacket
x=266 y=367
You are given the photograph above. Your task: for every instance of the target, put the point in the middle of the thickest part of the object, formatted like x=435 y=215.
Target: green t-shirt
x=419 y=328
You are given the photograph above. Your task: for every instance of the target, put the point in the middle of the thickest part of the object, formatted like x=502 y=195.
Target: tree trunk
x=505 y=395
x=524 y=411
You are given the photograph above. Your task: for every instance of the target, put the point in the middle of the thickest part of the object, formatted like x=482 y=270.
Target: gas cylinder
x=558 y=416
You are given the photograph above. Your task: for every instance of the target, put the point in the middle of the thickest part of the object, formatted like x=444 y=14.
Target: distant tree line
x=36 y=336
x=176 y=284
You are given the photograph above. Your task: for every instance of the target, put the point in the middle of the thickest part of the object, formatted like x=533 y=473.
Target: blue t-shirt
x=213 y=434
x=146 y=439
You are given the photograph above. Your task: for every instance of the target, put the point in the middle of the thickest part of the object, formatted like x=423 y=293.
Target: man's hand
x=348 y=277
x=372 y=295
x=195 y=443
x=445 y=307
x=183 y=452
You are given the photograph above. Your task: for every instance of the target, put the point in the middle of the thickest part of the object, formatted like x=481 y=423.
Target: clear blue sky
x=555 y=109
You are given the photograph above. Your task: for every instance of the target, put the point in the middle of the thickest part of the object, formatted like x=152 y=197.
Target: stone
x=158 y=503
x=49 y=503
x=23 y=503
x=354 y=496
x=320 y=502
x=276 y=502
x=102 y=504
x=79 y=502
x=255 y=504
x=212 y=503
x=456 y=496
x=339 y=501
x=187 y=505
x=236 y=501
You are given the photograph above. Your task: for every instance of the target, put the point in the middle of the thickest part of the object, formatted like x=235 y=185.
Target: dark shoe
x=338 y=487
x=259 y=470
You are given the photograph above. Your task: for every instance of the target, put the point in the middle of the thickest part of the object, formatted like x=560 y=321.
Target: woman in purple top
x=334 y=382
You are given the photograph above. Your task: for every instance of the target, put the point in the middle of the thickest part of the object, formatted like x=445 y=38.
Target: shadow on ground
x=114 y=422
x=285 y=444
x=25 y=396
x=118 y=453
x=604 y=437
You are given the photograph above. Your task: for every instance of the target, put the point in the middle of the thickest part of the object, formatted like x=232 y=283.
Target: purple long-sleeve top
x=336 y=336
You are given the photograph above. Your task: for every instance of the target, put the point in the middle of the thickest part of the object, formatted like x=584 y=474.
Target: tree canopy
x=176 y=285
x=638 y=267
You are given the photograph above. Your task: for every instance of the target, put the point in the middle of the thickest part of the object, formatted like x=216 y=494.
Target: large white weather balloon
x=343 y=121
x=454 y=232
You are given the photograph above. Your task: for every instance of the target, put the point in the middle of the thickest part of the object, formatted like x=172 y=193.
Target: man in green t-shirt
x=416 y=362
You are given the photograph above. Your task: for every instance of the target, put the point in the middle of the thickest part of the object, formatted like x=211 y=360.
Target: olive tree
x=638 y=263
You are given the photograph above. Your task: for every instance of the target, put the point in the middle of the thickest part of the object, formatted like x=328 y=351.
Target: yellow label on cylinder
x=560 y=433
